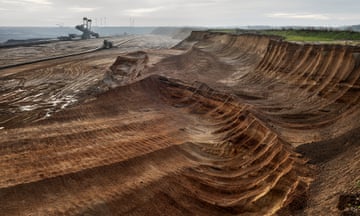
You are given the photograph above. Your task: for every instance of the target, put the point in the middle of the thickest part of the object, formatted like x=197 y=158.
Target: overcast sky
x=180 y=12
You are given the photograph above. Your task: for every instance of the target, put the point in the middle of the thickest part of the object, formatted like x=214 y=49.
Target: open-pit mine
x=216 y=124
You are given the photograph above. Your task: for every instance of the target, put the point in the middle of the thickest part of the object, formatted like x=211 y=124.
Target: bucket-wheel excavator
x=85 y=28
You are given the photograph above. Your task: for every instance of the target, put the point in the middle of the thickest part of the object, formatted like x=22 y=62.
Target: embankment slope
x=220 y=125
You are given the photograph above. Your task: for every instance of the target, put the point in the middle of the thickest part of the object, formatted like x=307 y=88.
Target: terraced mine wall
x=321 y=81
x=220 y=125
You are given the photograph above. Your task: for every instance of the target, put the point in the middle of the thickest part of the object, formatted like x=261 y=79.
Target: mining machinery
x=85 y=28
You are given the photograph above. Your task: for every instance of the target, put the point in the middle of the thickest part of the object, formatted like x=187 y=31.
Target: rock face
x=126 y=69
x=219 y=125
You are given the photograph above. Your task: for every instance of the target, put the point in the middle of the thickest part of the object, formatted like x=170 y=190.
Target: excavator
x=85 y=28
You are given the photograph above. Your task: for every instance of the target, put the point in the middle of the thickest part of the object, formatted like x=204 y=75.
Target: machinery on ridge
x=85 y=28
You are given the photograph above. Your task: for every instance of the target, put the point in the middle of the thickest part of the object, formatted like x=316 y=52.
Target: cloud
x=299 y=16
x=348 y=16
x=40 y=2
x=36 y=2
x=26 y=6
x=200 y=3
x=141 y=11
x=180 y=12
x=82 y=9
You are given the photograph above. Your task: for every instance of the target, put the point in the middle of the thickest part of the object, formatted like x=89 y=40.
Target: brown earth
x=218 y=125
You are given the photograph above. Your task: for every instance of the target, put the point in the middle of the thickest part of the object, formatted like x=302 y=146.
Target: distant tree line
x=316 y=29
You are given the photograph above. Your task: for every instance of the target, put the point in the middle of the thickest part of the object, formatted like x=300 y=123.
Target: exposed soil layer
x=349 y=204
x=219 y=125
